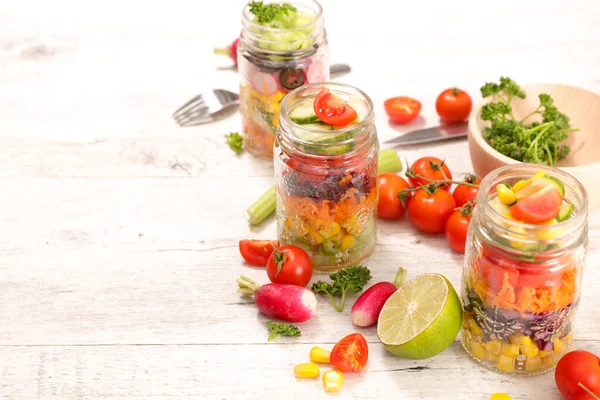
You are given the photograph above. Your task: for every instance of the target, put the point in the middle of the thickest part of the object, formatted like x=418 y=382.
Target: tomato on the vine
x=257 y=252
x=333 y=110
x=402 y=109
x=465 y=193
x=427 y=169
x=457 y=226
x=350 y=354
x=390 y=205
x=429 y=209
x=290 y=264
x=453 y=105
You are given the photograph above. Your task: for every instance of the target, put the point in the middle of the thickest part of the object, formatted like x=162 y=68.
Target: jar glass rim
x=247 y=17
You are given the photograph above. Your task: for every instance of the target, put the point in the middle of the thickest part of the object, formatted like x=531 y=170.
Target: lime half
x=421 y=319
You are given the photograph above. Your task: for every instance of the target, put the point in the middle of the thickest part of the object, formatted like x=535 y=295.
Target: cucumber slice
x=329 y=247
x=304 y=113
x=499 y=206
x=565 y=212
x=354 y=102
x=540 y=183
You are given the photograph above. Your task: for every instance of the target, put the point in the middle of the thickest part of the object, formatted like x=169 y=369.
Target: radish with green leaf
x=366 y=309
x=282 y=301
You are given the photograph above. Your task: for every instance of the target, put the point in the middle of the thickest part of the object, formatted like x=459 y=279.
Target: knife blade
x=433 y=134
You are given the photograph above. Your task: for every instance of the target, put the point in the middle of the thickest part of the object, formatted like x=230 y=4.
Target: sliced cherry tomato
x=331 y=109
x=539 y=207
x=390 y=205
x=402 y=109
x=427 y=169
x=429 y=212
x=290 y=264
x=494 y=270
x=465 y=193
x=453 y=105
x=457 y=226
x=350 y=354
x=257 y=252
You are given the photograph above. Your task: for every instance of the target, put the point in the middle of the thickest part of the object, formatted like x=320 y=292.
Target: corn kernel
x=536 y=176
x=549 y=233
x=500 y=396
x=519 y=185
x=493 y=346
x=319 y=355
x=477 y=350
x=544 y=353
x=474 y=328
x=332 y=381
x=348 y=222
x=330 y=230
x=559 y=346
x=530 y=350
x=348 y=241
x=337 y=237
x=505 y=194
x=510 y=350
x=533 y=363
x=306 y=370
x=519 y=339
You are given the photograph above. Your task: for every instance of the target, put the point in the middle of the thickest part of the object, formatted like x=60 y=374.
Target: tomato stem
x=456 y=91
x=279 y=258
x=411 y=174
x=588 y=391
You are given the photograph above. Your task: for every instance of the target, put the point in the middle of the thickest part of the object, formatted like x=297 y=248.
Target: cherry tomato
x=428 y=169
x=430 y=212
x=350 y=354
x=539 y=207
x=453 y=105
x=290 y=264
x=332 y=110
x=465 y=193
x=456 y=228
x=575 y=367
x=389 y=205
x=257 y=252
x=403 y=109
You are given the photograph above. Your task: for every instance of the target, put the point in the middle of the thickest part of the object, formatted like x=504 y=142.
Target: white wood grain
x=119 y=230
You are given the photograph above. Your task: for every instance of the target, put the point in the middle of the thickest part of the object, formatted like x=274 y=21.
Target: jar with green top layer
x=282 y=47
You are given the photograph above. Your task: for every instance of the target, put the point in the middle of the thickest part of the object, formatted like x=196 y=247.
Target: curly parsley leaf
x=350 y=280
x=235 y=141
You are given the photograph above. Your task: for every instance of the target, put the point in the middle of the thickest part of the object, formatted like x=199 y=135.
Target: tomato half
x=333 y=110
x=539 y=207
x=290 y=264
x=390 y=205
x=428 y=169
x=430 y=212
x=453 y=105
x=350 y=354
x=402 y=109
x=257 y=252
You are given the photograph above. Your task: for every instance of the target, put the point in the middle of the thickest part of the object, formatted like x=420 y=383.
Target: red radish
x=366 y=309
x=230 y=51
x=264 y=83
x=291 y=303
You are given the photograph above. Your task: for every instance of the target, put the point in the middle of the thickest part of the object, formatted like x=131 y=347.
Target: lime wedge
x=421 y=319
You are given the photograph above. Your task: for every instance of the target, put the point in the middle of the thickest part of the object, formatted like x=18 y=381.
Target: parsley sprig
x=350 y=280
x=536 y=142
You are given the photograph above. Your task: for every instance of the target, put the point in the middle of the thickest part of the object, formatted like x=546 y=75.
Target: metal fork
x=207 y=107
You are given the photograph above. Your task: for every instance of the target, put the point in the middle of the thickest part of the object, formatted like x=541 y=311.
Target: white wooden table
x=119 y=230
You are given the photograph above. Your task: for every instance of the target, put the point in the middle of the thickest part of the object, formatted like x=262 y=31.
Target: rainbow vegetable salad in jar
x=526 y=250
x=326 y=160
x=282 y=47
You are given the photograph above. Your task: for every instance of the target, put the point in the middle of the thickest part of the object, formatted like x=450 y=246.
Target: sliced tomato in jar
x=257 y=252
x=333 y=110
x=402 y=109
x=539 y=276
x=494 y=271
x=350 y=354
x=539 y=207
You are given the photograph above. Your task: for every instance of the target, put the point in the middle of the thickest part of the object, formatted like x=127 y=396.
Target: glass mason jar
x=521 y=282
x=271 y=62
x=326 y=182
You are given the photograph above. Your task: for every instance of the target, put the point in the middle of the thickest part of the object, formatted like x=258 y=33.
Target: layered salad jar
x=282 y=47
x=326 y=160
x=525 y=256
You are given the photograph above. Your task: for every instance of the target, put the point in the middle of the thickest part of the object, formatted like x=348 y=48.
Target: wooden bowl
x=583 y=109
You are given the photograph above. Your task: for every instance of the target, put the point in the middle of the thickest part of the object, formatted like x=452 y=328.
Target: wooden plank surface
x=119 y=230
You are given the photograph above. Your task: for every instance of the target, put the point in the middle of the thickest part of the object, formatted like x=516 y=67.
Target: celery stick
x=262 y=208
x=389 y=161
x=265 y=205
